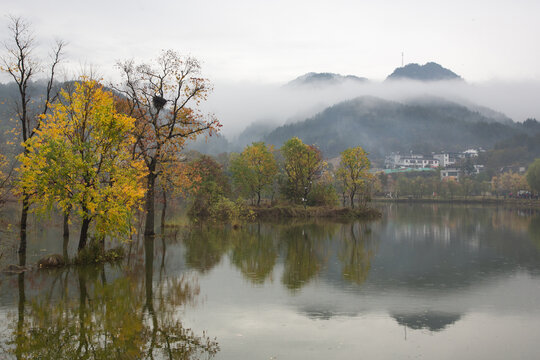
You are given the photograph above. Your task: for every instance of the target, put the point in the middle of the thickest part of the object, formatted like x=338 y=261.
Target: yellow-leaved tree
x=353 y=172
x=80 y=159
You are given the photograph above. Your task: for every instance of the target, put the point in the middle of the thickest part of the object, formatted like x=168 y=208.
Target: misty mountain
x=382 y=126
x=256 y=131
x=464 y=110
x=428 y=72
x=323 y=79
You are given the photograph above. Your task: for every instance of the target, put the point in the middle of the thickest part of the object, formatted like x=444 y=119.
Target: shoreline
x=522 y=203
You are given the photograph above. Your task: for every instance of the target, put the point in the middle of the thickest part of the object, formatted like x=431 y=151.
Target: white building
x=446 y=159
x=450 y=174
x=395 y=161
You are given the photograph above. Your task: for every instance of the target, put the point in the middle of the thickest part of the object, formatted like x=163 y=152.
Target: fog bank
x=239 y=104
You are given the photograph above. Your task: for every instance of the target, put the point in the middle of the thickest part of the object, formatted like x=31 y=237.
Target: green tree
x=80 y=159
x=303 y=166
x=533 y=175
x=254 y=169
x=353 y=171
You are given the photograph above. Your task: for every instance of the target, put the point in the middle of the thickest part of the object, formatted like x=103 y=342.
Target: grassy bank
x=290 y=211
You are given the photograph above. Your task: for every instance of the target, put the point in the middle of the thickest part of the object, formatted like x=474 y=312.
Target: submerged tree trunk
x=149 y=204
x=149 y=271
x=83 y=343
x=20 y=337
x=24 y=220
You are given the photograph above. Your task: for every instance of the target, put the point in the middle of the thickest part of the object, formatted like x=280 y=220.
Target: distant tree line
x=295 y=174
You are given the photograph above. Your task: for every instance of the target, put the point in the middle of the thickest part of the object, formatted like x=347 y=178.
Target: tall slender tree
x=164 y=97
x=21 y=64
x=353 y=171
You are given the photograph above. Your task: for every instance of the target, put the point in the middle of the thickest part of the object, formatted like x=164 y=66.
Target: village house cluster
x=446 y=161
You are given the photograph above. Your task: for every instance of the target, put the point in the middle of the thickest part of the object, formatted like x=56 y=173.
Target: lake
x=425 y=281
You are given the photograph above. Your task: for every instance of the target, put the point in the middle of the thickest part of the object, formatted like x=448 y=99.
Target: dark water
x=426 y=281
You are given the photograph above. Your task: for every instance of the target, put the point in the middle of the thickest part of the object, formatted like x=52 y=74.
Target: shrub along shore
x=291 y=211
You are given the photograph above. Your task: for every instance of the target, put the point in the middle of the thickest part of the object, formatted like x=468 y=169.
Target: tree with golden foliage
x=80 y=159
x=164 y=98
x=509 y=182
x=353 y=172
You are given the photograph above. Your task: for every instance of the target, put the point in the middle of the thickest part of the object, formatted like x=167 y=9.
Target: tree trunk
x=24 y=220
x=258 y=198
x=352 y=199
x=149 y=205
x=84 y=233
x=163 y=212
x=149 y=271
x=66 y=237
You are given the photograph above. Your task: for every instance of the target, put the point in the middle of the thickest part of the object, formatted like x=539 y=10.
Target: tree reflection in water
x=254 y=253
x=356 y=252
x=305 y=248
x=123 y=318
x=305 y=255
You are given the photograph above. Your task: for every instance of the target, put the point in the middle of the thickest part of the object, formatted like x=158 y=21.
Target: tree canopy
x=533 y=175
x=80 y=159
x=254 y=169
x=353 y=171
x=163 y=96
x=303 y=165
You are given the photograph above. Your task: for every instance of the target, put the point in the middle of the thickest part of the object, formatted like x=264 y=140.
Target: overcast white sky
x=248 y=47
x=275 y=41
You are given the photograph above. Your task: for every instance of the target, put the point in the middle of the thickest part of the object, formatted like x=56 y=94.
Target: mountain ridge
x=430 y=71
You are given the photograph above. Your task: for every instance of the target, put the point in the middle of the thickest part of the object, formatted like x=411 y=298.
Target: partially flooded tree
x=19 y=61
x=80 y=159
x=164 y=96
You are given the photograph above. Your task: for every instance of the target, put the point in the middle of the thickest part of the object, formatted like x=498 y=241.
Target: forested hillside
x=382 y=126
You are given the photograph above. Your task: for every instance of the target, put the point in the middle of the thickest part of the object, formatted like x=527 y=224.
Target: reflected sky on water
x=432 y=281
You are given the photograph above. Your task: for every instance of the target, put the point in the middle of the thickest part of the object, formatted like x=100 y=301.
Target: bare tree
x=21 y=64
x=164 y=96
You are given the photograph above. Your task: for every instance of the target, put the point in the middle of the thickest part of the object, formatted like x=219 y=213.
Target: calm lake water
x=425 y=281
